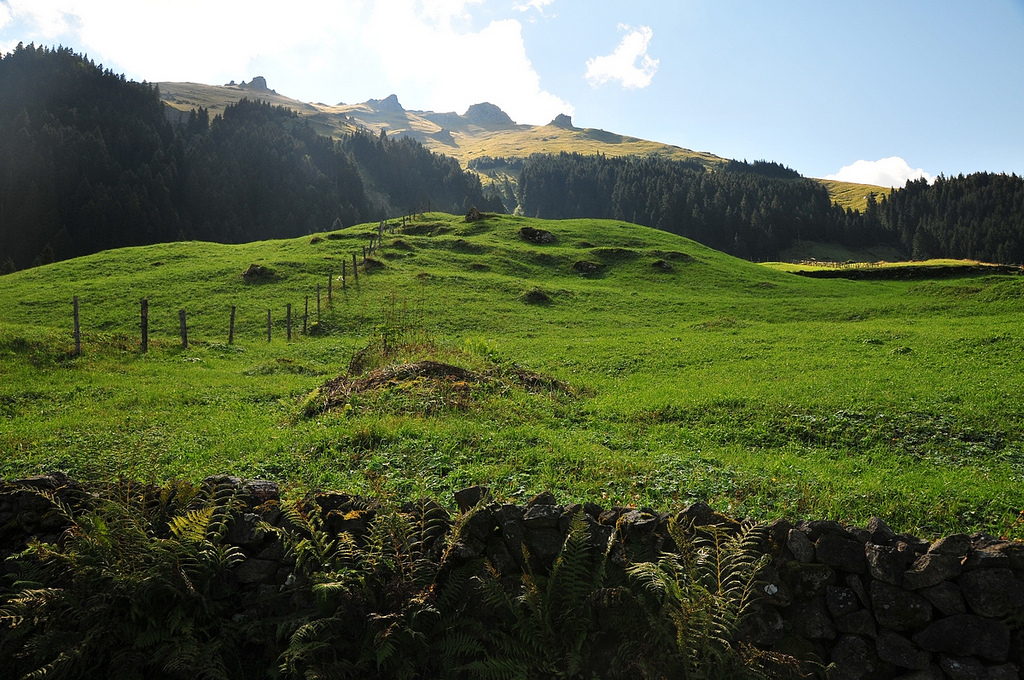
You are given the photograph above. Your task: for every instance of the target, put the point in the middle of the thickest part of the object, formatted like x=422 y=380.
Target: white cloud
x=442 y=68
x=426 y=51
x=538 y=5
x=622 y=64
x=5 y=16
x=886 y=172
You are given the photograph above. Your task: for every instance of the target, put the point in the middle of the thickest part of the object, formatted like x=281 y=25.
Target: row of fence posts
x=376 y=243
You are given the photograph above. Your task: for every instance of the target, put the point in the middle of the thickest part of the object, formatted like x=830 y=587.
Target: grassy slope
x=471 y=141
x=760 y=392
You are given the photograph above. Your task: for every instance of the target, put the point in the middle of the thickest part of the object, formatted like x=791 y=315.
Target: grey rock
x=880 y=531
x=542 y=516
x=885 y=563
x=255 y=570
x=931 y=569
x=962 y=667
x=956 y=544
x=992 y=592
x=854 y=658
x=933 y=672
x=810 y=620
x=967 y=635
x=543 y=498
x=899 y=609
x=989 y=558
x=800 y=546
x=858 y=623
x=854 y=583
x=698 y=514
x=840 y=553
x=244 y=530
x=900 y=651
x=806 y=580
x=946 y=598
x=260 y=491
x=1006 y=671
x=275 y=551
x=764 y=626
x=841 y=601
x=470 y=497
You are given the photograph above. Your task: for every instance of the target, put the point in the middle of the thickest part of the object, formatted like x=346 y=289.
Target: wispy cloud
x=538 y=5
x=629 y=63
x=428 y=51
x=885 y=172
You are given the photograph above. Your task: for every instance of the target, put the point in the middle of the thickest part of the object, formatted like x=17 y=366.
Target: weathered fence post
x=231 y=327
x=184 y=329
x=78 y=332
x=268 y=325
x=288 y=322
x=344 y=273
x=355 y=270
x=145 y=325
x=305 y=317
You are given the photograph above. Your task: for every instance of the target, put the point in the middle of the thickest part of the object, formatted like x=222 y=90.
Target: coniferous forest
x=90 y=161
x=756 y=210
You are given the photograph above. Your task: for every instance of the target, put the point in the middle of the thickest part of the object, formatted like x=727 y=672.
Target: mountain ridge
x=484 y=130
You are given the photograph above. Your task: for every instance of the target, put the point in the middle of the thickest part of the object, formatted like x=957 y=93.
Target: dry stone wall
x=867 y=602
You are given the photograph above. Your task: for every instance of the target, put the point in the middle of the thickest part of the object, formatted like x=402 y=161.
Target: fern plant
x=124 y=596
x=705 y=591
x=546 y=628
x=377 y=613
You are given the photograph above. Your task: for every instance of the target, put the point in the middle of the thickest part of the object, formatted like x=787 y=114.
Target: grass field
x=665 y=373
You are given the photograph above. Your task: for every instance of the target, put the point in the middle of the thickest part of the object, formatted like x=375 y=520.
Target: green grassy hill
x=466 y=138
x=618 y=363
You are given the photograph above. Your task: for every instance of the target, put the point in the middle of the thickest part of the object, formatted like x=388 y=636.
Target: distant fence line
x=375 y=245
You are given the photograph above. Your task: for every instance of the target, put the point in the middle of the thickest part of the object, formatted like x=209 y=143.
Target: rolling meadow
x=617 y=364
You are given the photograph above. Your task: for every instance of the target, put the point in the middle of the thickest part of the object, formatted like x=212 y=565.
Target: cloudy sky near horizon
x=870 y=91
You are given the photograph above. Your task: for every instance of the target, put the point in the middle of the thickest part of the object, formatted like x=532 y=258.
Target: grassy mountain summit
x=595 y=358
x=484 y=131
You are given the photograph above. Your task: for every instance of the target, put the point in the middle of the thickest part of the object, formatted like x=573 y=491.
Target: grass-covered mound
x=760 y=392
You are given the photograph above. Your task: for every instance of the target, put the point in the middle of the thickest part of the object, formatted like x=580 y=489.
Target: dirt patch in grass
x=587 y=268
x=424 y=387
x=536 y=296
x=257 y=272
x=671 y=255
x=536 y=235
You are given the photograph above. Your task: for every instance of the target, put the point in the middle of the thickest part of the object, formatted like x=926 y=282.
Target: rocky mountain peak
x=487 y=114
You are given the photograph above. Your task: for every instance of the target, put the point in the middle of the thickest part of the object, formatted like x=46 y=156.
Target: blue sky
x=869 y=91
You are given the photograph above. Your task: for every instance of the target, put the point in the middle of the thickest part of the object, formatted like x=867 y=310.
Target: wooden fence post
x=231 y=327
x=268 y=325
x=305 y=317
x=184 y=329
x=78 y=332
x=288 y=322
x=145 y=325
x=355 y=270
x=344 y=273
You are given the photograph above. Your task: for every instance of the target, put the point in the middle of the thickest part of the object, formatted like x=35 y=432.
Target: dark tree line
x=90 y=161
x=748 y=214
x=978 y=216
x=756 y=210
